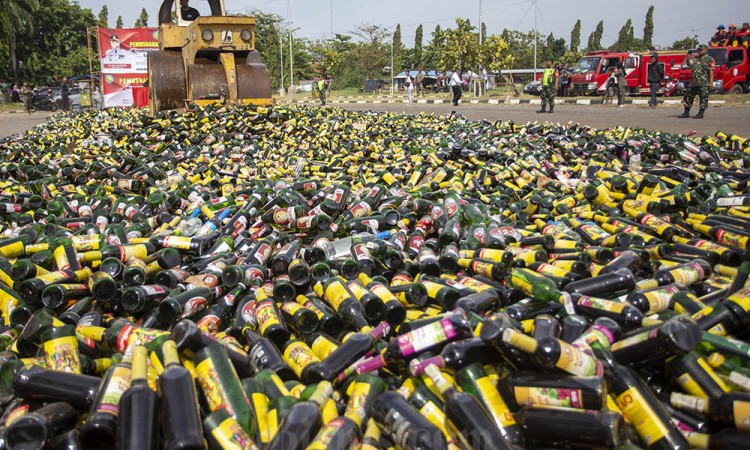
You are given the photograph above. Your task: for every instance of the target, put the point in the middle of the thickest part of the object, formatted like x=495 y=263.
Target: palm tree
x=17 y=16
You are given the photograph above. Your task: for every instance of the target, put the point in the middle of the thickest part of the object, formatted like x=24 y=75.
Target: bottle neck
x=171 y=356
x=139 y=365
x=441 y=383
x=520 y=340
x=690 y=402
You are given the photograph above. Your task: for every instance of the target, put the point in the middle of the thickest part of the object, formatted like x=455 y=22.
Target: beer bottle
x=221 y=385
x=189 y=337
x=456 y=355
x=467 y=415
x=37 y=429
x=524 y=388
x=406 y=426
x=102 y=286
x=534 y=285
x=551 y=352
x=363 y=391
x=270 y=322
x=137 y=425
x=610 y=285
x=654 y=344
x=187 y=305
x=303 y=421
x=588 y=429
x=179 y=411
x=264 y=354
x=695 y=376
x=394 y=312
x=338 y=434
x=139 y=299
x=621 y=312
x=726 y=439
x=728 y=410
x=643 y=410
x=686 y=274
x=34 y=383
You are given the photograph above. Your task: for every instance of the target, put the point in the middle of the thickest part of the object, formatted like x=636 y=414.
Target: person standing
x=409 y=85
x=419 y=82
x=187 y=12
x=701 y=80
x=26 y=95
x=655 y=77
x=65 y=94
x=455 y=85
x=550 y=80
x=622 y=84
x=322 y=91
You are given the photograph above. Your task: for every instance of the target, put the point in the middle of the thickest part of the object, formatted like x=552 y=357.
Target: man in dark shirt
x=65 y=94
x=187 y=12
x=655 y=77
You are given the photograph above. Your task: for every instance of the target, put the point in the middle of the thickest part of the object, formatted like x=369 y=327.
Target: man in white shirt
x=455 y=85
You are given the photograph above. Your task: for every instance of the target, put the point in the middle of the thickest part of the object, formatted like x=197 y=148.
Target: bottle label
x=660 y=299
x=194 y=306
x=15 y=414
x=260 y=407
x=299 y=356
x=435 y=415
x=230 y=436
x=689 y=385
x=208 y=378
x=425 y=337
x=336 y=293
x=133 y=335
x=178 y=242
x=291 y=307
x=733 y=239
x=635 y=339
x=153 y=289
x=638 y=412
x=601 y=304
x=382 y=292
x=284 y=216
x=209 y=323
x=266 y=316
x=263 y=252
x=574 y=361
x=61 y=354
x=540 y=396
x=323 y=347
x=357 y=408
x=490 y=396
x=361 y=209
x=451 y=206
x=741 y=415
x=327 y=435
x=688 y=274
x=118 y=384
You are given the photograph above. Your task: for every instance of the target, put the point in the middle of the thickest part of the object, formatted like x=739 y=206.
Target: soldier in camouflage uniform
x=550 y=79
x=701 y=81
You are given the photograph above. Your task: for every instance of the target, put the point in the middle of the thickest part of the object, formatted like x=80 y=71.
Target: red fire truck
x=590 y=74
x=732 y=70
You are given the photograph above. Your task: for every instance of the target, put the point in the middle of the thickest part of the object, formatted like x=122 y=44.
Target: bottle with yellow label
x=61 y=349
x=100 y=427
x=138 y=419
x=732 y=409
x=221 y=386
x=695 y=376
x=405 y=425
x=303 y=421
x=179 y=412
x=466 y=416
x=643 y=411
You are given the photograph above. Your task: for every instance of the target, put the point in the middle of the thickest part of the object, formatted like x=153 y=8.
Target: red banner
x=123 y=60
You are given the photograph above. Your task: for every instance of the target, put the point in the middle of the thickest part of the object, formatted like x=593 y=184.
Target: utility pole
x=480 y=22
x=291 y=55
x=535 y=37
x=331 y=19
x=392 y=91
x=281 y=59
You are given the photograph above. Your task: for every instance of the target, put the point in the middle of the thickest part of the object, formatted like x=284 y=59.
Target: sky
x=317 y=19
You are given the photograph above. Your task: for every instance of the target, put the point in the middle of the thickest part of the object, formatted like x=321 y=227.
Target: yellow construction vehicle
x=211 y=59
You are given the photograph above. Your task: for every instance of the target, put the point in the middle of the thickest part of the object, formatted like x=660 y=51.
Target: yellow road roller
x=205 y=59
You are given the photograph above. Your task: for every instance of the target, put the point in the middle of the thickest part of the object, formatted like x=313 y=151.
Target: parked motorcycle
x=43 y=101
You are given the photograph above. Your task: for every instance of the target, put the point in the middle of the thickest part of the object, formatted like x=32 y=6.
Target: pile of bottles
x=240 y=278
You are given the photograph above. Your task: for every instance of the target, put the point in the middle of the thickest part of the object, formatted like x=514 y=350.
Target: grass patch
x=6 y=107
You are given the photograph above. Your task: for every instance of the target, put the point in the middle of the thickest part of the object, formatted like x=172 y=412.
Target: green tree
x=625 y=38
x=484 y=31
x=370 y=55
x=648 y=29
x=495 y=54
x=595 y=38
x=575 y=36
x=432 y=53
x=17 y=17
x=461 y=46
x=57 y=46
x=554 y=48
x=398 y=50
x=685 y=43
x=142 y=20
x=521 y=48
x=119 y=23
x=104 y=17
x=417 y=53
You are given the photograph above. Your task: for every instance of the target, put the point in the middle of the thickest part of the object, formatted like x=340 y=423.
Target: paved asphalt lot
x=733 y=119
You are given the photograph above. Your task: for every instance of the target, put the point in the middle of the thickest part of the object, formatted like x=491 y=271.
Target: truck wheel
x=737 y=89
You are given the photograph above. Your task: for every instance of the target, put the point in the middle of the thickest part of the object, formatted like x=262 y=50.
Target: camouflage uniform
x=702 y=67
x=549 y=87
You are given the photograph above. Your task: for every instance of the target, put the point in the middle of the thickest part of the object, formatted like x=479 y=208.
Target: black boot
x=551 y=108
x=699 y=115
x=543 y=110
x=685 y=114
